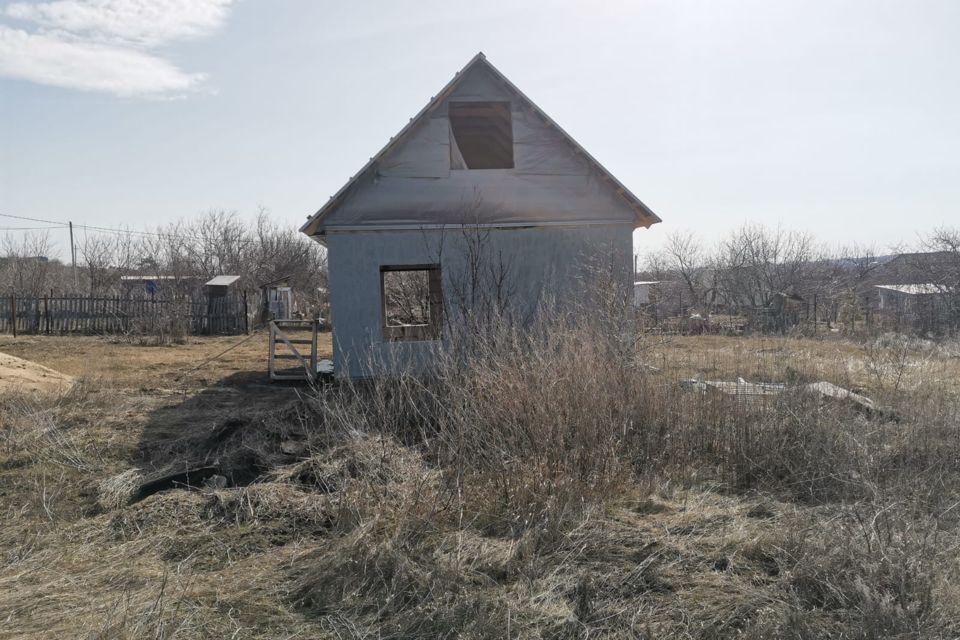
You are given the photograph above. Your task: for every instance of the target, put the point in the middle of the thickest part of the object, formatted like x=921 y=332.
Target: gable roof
x=643 y=215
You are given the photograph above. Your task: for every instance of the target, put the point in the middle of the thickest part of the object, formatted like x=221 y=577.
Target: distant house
x=642 y=291
x=481 y=174
x=921 y=308
x=893 y=294
x=917 y=292
x=153 y=286
x=932 y=267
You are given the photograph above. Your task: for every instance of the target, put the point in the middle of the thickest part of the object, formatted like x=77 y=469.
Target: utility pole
x=73 y=258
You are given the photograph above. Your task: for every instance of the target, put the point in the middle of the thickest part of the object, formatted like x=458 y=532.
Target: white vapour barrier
x=422 y=178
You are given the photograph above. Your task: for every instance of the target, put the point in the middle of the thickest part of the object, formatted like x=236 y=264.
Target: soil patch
x=18 y=375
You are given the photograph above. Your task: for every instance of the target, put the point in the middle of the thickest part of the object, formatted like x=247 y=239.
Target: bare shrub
x=166 y=325
x=868 y=573
x=522 y=446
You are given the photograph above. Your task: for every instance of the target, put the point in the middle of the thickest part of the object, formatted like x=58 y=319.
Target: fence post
x=246 y=316
x=814 y=314
x=13 y=313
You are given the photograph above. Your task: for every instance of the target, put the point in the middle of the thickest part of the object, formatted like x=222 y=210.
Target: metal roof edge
x=316 y=217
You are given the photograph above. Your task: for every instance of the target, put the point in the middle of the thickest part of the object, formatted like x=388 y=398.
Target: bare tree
x=482 y=289
x=218 y=243
x=754 y=263
x=26 y=267
x=944 y=270
x=684 y=257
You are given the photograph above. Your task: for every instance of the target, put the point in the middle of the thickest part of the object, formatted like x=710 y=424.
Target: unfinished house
x=481 y=205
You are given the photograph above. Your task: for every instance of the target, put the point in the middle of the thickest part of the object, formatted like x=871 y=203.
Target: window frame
x=419 y=332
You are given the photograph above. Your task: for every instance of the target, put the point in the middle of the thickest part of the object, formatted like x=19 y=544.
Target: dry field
x=121 y=365
x=563 y=489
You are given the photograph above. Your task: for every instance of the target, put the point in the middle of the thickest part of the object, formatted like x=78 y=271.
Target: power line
x=8 y=215
x=127 y=232
x=90 y=227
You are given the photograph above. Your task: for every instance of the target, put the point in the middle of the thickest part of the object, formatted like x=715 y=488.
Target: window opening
x=481 y=135
x=412 y=302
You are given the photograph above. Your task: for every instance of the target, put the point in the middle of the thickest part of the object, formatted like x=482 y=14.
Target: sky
x=838 y=117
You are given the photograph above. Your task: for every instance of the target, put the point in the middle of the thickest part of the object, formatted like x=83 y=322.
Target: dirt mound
x=17 y=374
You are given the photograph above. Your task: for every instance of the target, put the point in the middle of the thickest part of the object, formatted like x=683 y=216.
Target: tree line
x=749 y=267
x=191 y=250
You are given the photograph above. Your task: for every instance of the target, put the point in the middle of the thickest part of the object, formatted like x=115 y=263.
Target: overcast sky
x=842 y=118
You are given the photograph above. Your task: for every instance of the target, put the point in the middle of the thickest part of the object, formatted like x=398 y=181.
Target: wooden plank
x=276 y=337
x=273 y=345
x=98 y=314
x=293 y=349
x=313 y=348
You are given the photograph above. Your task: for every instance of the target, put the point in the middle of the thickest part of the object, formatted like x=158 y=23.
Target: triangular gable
x=410 y=182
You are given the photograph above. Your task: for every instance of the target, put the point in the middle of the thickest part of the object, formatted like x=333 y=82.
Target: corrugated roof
x=153 y=278
x=222 y=281
x=916 y=289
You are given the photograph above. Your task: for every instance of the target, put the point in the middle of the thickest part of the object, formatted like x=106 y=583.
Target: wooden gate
x=285 y=348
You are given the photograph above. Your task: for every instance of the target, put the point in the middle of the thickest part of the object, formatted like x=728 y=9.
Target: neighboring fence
x=92 y=314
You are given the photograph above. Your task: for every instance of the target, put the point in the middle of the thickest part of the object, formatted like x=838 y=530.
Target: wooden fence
x=104 y=315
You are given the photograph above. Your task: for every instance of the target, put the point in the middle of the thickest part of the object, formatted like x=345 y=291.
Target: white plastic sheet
x=422 y=179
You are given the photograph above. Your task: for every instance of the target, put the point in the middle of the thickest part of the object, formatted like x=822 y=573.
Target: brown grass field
x=118 y=364
x=559 y=488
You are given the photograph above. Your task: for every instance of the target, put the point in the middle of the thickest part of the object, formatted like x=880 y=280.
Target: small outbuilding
x=226 y=311
x=221 y=286
x=276 y=300
x=642 y=291
x=784 y=310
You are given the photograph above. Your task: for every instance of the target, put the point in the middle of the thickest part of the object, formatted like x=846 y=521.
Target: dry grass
x=124 y=365
x=548 y=486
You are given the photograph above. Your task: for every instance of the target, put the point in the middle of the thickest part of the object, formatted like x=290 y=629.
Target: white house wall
x=554 y=261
